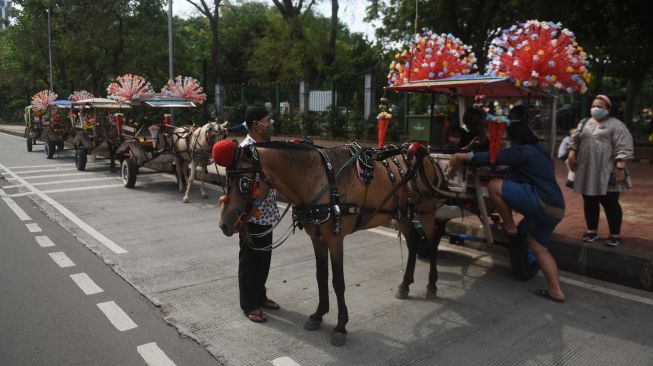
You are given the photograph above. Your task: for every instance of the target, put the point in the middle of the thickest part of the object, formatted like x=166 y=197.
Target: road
x=175 y=256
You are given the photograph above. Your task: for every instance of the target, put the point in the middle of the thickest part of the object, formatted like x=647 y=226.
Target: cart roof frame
x=470 y=86
x=102 y=103
x=159 y=100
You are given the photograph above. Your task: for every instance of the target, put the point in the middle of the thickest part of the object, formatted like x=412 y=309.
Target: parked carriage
x=467 y=194
x=95 y=129
x=147 y=143
x=48 y=122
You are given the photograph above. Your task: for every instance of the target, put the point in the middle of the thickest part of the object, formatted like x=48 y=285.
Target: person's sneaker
x=590 y=237
x=613 y=241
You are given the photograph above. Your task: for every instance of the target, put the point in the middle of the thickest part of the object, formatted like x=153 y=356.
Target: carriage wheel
x=80 y=159
x=30 y=143
x=49 y=149
x=128 y=172
x=522 y=259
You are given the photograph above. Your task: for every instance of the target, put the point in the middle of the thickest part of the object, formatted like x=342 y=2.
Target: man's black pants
x=253 y=268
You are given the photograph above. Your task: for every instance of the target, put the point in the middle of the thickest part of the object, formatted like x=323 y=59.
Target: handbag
x=572 y=175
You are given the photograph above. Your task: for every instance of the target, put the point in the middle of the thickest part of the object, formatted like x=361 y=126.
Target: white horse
x=194 y=146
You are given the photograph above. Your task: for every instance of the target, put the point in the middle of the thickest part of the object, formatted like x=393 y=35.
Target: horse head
x=245 y=187
x=216 y=132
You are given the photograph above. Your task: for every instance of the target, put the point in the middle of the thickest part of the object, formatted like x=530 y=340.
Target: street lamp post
x=50 y=48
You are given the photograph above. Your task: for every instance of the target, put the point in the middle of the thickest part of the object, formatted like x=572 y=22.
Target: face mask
x=599 y=113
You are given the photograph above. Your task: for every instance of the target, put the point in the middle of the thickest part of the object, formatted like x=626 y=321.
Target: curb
x=592 y=260
x=12 y=132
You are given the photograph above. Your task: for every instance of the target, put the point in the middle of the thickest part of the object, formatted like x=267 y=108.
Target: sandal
x=270 y=304
x=257 y=316
x=545 y=294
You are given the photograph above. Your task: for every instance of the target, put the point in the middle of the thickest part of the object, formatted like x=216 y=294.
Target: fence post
x=242 y=93
x=303 y=107
x=405 y=109
x=277 y=99
x=219 y=100
x=367 y=108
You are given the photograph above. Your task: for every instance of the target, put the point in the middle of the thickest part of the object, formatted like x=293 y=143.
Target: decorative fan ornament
x=382 y=121
x=541 y=54
x=80 y=95
x=43 y=99
x=129 y=87
x=185 y=87
x=431 y=56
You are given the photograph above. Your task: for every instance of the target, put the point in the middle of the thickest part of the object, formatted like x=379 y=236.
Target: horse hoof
x=205 y=195
x=431 y=293
x=338 y=339
x=185 y=200
x=312 y=324
x=401 y=294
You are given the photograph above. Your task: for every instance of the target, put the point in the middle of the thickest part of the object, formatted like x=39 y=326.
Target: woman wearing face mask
x=598 y=152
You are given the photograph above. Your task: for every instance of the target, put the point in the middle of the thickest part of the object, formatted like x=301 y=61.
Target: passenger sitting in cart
x=475 y=138
x=531 y=190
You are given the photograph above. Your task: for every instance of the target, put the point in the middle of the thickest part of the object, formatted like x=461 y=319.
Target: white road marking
x=117 y=316
x=284 y=361
x=153 y=355
x=33 y=228
x=61 y=259
x=22 y=194
x=52 y=176
x=63 y=182
x=71 y=216
x=37 y=166
x=14 y=207
x=43 y=170
x=493 y=259
x=86 y=283
x=44 y=241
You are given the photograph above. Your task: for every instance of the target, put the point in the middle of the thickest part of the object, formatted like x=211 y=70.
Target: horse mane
x=311 y=165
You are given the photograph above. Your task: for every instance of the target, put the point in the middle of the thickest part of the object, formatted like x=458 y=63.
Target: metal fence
x=298 y=109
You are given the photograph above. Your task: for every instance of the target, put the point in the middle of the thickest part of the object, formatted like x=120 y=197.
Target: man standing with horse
x=254 y=263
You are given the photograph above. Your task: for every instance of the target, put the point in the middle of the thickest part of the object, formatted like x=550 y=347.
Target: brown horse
x=302 y=172
x=194 y=147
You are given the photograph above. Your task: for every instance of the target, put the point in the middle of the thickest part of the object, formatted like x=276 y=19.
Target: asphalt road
x=175 y=255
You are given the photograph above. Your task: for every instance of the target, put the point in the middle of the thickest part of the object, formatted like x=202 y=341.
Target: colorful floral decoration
x=495 y=127
x=382 y=121
x=540 y=54
x=129 y=87
x=431 y=56
x=80 y=95
x=43 y=99
x=185 y=87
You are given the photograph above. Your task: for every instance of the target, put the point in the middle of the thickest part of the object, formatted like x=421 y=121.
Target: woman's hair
x=521 y=132
x=473 y=116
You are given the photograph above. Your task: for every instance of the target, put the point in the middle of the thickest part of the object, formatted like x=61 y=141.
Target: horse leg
x=180 y=174
x=202 y=189
x=338 y=337
x=189 y=184
x=436 y=230
x=409 y=274
x=322 y=274
x=112 y=157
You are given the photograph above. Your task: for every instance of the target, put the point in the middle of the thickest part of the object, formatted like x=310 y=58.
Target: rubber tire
x=80 y=159
x=49 y=149
x=522 y=259
x=29 y=143
x=128 y=172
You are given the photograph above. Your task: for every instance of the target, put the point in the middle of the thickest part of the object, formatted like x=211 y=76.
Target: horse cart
x=467 y=187
x=149 y=144
x=95 y=129
x=49 y=125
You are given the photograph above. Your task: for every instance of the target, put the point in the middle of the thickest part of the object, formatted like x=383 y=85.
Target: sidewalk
x=630 y=264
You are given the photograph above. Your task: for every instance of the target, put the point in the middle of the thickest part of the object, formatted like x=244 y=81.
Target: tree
x=213 y=17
